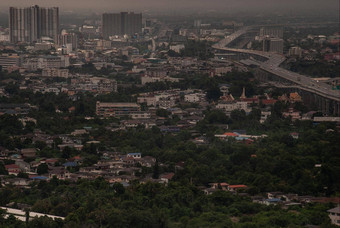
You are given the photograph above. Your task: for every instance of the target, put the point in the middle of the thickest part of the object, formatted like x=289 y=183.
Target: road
x=21 y=215
x=272 y=65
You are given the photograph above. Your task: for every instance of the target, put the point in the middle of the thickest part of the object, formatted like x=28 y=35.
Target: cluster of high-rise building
x=31 y=23
x=121 y=24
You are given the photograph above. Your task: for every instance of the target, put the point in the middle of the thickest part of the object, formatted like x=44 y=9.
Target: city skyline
x=188 y=5
x=169 y=113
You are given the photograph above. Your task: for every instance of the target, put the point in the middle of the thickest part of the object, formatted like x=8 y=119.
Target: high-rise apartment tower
x=31 y=23
x=121 y=24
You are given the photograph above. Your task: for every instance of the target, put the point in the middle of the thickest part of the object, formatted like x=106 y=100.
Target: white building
x=177 y=48
x=53 y=72
x=228 y=107
x=193 y=98
x=264 y=116
x=4 y=37
x=46 y=62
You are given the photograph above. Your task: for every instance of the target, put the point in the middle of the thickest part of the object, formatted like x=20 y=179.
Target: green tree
x=42 y=168
x=155 y=174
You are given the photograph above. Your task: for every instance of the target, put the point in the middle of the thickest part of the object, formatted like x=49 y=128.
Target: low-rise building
x=13 y=169
x=140 y=115
x=10 y=60
x=42 y=62
x=54 y=72
x=264 y=116
x=294 y=114
x=228 y=107
x=116 y=109
x=235 y=188
x=60 y=173
x=134 y=155
x=150 y=100
x=28 y=152
x=193 y=98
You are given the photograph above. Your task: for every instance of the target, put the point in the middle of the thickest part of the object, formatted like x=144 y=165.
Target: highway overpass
x=319 y=94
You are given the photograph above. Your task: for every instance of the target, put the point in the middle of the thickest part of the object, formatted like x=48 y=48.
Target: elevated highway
x=324 y=97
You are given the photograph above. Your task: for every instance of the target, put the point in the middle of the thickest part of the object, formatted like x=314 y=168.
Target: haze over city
x=180 y=5
x=169 y=113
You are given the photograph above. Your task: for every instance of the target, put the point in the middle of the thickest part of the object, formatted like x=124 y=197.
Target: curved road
x=273 y=63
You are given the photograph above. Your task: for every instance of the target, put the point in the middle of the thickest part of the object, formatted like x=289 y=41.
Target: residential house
x=224 y=186
x=264 y=116
x=209 y=191
x=166 y=177
x=236 y=188
x=272 y=201
x=134 y=155
x=147 y=161
x=24 y=166
x=294 y=114
x=334 y=215
x=59 y=172
x=295 y=135
x=28 y=152
x=51 y=161
x=21 y=182
x=79 y=132
x=13 y=169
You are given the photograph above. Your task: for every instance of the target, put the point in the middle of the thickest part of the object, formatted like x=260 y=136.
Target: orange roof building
x=230 y=134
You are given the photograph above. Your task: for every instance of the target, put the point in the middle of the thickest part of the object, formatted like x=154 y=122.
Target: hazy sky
x=178 y=5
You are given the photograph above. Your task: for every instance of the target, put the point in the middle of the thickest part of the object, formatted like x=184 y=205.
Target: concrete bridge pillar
x=327 y=107
x=324 y=105
x=335 y=108
x=314 y=100
x=319 y=102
